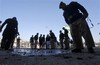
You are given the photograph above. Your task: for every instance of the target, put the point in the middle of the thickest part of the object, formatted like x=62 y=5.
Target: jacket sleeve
x=3 y=25
x=66 y=19
x=17 y=27
x=82 y=9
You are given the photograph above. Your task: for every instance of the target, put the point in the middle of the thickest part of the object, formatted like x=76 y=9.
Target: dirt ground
x=84 y=58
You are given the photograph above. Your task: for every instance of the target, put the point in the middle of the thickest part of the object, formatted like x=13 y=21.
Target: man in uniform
x=75 y=15
x=61 y=39
x=9 y=33
x=66 y=38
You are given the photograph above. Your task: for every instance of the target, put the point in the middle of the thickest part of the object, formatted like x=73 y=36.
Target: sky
x=40 y=16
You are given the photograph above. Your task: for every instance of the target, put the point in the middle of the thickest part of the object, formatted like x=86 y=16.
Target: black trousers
x=7 y=41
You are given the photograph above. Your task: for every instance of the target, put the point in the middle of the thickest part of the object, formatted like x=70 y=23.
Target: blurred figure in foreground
x=75 y=16
x=9 y=33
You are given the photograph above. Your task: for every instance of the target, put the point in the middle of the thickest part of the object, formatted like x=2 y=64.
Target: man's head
x=63 y=28
x=60 y=31
x=37 y=33
x=62 y=5
x=14 y=18
x=50 y=31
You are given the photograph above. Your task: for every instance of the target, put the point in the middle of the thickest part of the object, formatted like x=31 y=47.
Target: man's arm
x=17 y=27
x=66 y=19
x=3 y=25
x=82 y=9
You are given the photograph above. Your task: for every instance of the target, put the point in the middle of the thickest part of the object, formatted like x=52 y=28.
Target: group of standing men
x=49 y=41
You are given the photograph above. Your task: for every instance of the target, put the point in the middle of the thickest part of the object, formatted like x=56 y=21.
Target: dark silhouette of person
x=61 y=39
x=75 y=15
x=32 y=41
x=43 y=41
x=18 y=42
x=9 y=33
x=66 y=38
x=52 y=39
x=48 y=41
x=40 y=41
x=36 y=40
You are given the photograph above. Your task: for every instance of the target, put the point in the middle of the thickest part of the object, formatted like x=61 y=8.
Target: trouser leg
x=87 y=35
x=9 y=43
x=76 y=35
x=52 y=44
x=66 y=42
x=36 y=42
x=3 y=42
x=61 y=43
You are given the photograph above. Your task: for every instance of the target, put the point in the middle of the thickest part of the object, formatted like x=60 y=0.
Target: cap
x=61 y=4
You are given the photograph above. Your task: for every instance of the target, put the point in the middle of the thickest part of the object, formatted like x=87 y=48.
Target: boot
x=77 y=50
x=91 y=50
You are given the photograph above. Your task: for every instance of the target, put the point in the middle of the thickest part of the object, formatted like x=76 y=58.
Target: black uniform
x=9 y=33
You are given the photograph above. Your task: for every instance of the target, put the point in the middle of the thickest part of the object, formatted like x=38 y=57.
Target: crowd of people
x=50 y=41
x=75 y=16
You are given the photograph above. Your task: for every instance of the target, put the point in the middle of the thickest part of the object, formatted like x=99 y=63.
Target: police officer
x=75 y=15
x=61 y=38
x=66 y=38
x=52 y=39
x=32 y=42
x=9 y=33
